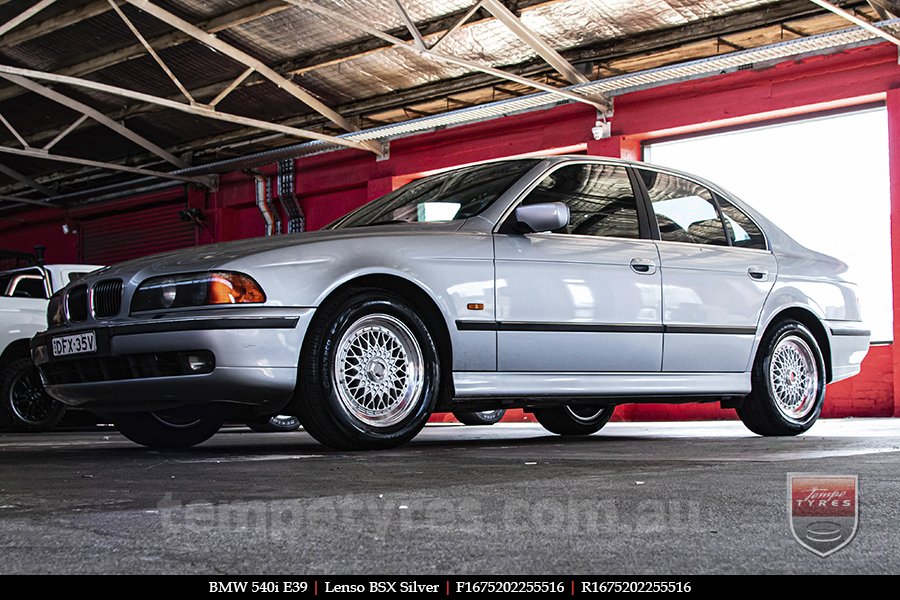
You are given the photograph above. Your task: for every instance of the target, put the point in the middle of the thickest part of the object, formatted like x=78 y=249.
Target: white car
x=24 y=293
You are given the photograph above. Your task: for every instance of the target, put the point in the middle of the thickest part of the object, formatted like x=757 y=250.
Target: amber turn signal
x=234 y=288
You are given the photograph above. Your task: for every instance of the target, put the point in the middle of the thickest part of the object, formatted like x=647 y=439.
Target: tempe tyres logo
x=824 y=510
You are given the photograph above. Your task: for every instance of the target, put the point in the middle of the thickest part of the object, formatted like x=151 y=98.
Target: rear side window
x=743 y=231
x=685 y=211
x=600 y=198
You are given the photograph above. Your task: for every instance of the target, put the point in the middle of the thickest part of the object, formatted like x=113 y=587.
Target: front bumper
x=138 y=366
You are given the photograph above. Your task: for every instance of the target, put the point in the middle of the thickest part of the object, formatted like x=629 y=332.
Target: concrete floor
x=635 y=498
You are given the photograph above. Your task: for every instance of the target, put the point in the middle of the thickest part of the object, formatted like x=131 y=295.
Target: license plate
x=80 y=343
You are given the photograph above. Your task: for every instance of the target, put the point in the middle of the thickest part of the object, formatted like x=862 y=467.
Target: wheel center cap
x=376 y=370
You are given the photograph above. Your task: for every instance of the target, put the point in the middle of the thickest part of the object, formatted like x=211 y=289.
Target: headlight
x=196 y=289
x=56 y=314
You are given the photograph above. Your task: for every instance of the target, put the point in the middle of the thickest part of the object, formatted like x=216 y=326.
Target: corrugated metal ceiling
x=340 y=64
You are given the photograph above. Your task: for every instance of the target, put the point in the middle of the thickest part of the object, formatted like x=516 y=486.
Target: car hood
x=202 y=258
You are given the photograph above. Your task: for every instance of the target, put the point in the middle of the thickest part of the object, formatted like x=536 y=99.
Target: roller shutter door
x=147 y=230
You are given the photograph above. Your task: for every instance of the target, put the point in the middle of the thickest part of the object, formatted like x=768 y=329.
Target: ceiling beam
x=96 y=115
x=84 y=162
x=29 y=201
x=853 y=18
x=218 y=23
x=886 y=9
x=60 y=21
x=606 y=50
x=245 y=59
x=459 y=23
x=156 y=57
x=599 y=104
x=24 y=16
x=410 y=25
x=537 y=43
x=749 y=19
x=25 y=180
x=194 y=109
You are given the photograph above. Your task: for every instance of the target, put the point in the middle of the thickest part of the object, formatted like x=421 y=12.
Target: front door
x=583 y=299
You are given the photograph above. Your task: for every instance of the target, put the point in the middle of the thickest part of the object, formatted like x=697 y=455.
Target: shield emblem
x=824 y=510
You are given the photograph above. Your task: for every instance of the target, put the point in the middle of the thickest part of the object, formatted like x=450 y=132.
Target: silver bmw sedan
x=564 y=286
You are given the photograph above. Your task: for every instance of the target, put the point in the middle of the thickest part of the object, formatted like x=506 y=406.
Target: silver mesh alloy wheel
x=794 y=377
x=378 y=370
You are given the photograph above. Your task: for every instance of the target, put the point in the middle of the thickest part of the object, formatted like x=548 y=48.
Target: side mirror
x=546 y=216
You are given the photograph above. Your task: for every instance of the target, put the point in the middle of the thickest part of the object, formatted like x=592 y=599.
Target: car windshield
x=457 y=194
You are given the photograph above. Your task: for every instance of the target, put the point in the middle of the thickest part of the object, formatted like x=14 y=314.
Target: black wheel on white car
x=369 y=372
x=574 y=419
x=275 y=424
x=27 y=407
x=173 y=428
x=788 y=382
x=481 y=417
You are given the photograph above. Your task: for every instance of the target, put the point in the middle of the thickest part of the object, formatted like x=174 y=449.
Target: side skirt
x=537 y=389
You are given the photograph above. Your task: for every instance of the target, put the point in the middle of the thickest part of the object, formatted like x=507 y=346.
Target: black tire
x=328 y=413
x=574 y=420
x=761 y=412
x=175 y=428
x=275 y=424
x=27 y=407
x=482 y=417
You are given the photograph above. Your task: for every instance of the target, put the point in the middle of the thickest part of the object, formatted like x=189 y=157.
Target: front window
x=600 y=198
x=449 y=196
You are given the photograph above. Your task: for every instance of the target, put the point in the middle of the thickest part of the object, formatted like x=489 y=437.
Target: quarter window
x=685 y=211
x=743 y=231
x=600 y=198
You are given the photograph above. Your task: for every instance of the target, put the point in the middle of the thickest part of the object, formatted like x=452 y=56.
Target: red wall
x=329 y=185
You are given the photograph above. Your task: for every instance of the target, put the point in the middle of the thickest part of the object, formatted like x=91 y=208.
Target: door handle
x=643 y=266
x=758 y=274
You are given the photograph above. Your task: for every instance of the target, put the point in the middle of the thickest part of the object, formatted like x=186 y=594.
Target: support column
x=893 y=109
x=617 y=146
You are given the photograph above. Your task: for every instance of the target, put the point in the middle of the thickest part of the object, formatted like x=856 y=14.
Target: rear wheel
x=788 y=383
x=482 y=417
x=173 y=428
x=27 y=407
x=574 y=420
x=369 y=372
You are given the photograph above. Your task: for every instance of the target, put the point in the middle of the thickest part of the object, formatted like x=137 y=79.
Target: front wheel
x=27 y=407
x=369 y=372
x=574 y=420
x=481 y=417
x=174 y=428
x=788 y=383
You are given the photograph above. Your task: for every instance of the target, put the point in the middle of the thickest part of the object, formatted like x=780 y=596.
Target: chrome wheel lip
x=378 y=370
x=590 y=418
x=794 y=377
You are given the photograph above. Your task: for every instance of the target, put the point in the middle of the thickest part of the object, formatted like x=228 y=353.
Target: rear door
x=586 y=298
x=716 y=275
